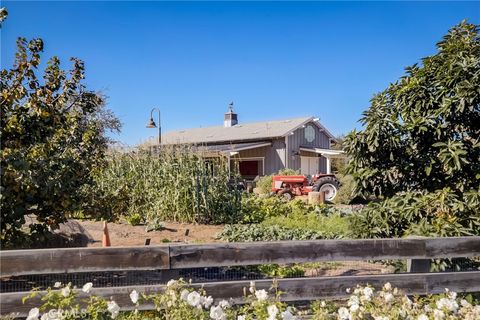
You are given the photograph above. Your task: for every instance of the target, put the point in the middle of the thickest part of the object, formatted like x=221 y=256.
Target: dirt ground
x=124 y=234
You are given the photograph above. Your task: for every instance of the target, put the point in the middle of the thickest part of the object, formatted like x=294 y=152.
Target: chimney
x=230 y=117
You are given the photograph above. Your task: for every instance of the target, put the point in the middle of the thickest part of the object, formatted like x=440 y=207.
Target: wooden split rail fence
x=180 y=256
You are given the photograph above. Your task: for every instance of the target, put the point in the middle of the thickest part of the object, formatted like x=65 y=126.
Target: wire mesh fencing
x=215 y=274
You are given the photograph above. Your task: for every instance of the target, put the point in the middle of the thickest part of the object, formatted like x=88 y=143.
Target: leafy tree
x=422 y=132
x=53 y=134
x=3 y=15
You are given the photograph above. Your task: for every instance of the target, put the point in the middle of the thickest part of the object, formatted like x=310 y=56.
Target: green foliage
x=256 y=209
x=259 y=232
x=422 y=132
x=339 y=165
x=278 y=271
x=265 y=182
x=436 y=214
x=274 y=218
x=335 y=223
x=177 y=184
x=3 y=15
x=346 y=193
x=53 y=133
x=134 y=219
x=179 y=301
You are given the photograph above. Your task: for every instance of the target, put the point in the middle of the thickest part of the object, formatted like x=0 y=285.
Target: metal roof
x=233 y=147
x=239 y=132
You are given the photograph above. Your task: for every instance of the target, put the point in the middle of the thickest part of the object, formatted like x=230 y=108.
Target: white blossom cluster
x=180 y=301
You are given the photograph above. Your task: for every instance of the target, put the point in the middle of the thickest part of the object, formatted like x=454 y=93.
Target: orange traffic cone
x=106 y=236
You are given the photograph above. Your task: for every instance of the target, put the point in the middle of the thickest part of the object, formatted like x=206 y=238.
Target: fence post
x=418 y=265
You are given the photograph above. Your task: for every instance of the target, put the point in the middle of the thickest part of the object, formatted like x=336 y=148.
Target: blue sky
x=273 y=59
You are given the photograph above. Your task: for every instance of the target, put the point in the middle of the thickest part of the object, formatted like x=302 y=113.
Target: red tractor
x=291 y=186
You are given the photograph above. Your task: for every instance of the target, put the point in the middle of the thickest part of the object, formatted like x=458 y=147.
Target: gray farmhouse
x=263 y=148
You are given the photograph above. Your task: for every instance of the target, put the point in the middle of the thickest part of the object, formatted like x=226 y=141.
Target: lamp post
x=152 y=124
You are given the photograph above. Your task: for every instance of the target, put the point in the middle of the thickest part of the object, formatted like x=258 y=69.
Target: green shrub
x=437 y=214
x=345 y=193
x=258 y=232
x=335 y=223
x=255 y=209
x=264 y=184
x=135 y=219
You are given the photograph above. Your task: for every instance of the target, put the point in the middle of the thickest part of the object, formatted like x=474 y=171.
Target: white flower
x=171 y=283
x=113 y=308
x=422 y=317
x=134 y=296
x=217 y=313
x=207 y=301
x=184 y=294
x=465 y=303
x=252 y=287
x=389 y=297
x=57 y=284
x=242 y=317
x=193 y=298
x=261 y=295
x=343 y=313
x=354 y=307
x=65 y=291
x=348 y=290
x=452 y=295
x=87 y=287
x=367 y=292
x=287 y=315
x=445 y=303
x=33 y=314
x=353 y=301
x=408 y=302
x=272 y=312
x=224 y=304
x=438 y=314
x=387 y=286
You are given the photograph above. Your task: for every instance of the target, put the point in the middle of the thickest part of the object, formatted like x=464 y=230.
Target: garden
x=414 y=167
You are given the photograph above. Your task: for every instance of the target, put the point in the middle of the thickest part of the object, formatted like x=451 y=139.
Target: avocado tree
x=423 y=131
x=53 y=137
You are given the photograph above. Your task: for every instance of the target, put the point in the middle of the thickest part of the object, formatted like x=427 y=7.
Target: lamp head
x=151 y=124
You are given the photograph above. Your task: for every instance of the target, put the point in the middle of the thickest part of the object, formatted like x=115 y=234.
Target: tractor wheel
x=285 y=193
x=328 y=184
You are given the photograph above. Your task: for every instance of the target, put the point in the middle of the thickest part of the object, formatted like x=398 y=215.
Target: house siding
x=298 y=140
x=274 y=156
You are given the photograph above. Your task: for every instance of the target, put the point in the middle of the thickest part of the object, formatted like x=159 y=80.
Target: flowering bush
x=179 y=301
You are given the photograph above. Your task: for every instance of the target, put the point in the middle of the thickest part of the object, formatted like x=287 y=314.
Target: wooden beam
x=295 y=289
x=48 y=261
x=252 y=253
x=69 y=260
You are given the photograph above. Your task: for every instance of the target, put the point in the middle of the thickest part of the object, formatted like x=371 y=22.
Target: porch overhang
x=328 y=154
x=233 y=148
